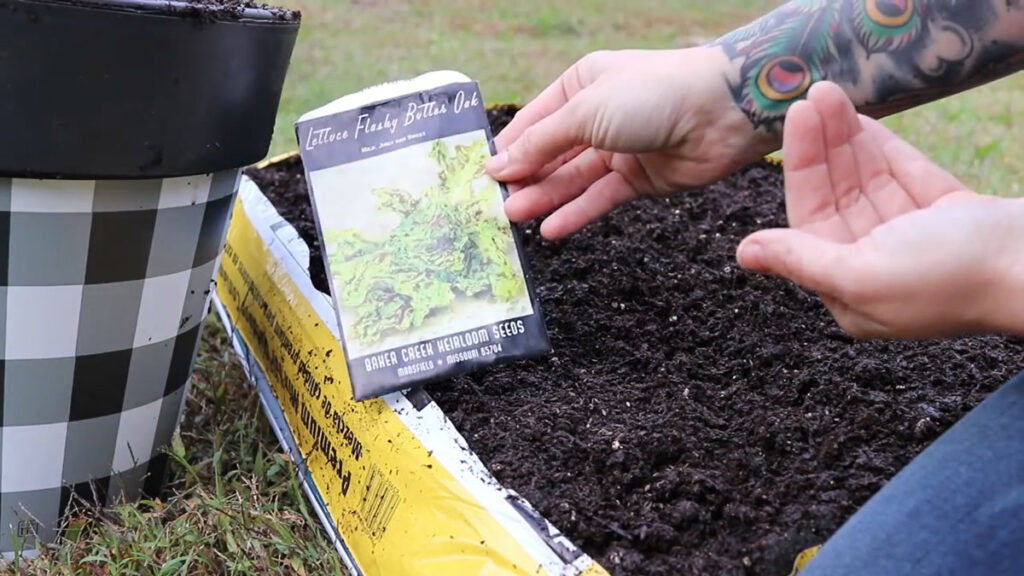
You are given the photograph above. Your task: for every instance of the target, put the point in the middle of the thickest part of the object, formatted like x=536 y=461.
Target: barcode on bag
x=380 y=500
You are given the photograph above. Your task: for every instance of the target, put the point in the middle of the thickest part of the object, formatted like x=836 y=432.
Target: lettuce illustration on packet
x=447 y=245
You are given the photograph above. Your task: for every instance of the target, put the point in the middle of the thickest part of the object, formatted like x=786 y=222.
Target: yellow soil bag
x=392 y=480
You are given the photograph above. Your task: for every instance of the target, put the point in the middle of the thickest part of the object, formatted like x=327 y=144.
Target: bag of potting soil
x=426 y=271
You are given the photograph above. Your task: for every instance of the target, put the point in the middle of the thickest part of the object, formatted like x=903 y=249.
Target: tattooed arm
x=620 y=124
x=887 y=55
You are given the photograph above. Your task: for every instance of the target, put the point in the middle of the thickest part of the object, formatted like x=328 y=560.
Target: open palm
x=846 y=173
x=894 y=245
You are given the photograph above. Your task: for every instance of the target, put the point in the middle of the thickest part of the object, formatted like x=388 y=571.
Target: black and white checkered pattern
x=103 y=289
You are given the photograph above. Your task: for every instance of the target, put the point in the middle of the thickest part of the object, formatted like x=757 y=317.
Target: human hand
x=617 y=125
x=894 y=245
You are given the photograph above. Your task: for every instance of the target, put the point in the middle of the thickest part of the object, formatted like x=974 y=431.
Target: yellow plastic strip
x=803 y=558
x=275 y=159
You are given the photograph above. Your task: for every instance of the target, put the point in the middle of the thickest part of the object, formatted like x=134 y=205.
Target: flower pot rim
x=184 y=9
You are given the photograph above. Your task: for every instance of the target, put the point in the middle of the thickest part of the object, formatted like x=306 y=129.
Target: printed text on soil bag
x=299 y=379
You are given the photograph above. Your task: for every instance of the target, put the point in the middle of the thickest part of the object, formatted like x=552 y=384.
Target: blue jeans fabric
x=956 y=509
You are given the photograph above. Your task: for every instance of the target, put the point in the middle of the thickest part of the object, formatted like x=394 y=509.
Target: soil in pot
x=213 y=8
x=694 y=418
x=236 y=4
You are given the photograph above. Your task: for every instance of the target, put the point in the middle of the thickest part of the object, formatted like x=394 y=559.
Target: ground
x=236 y=507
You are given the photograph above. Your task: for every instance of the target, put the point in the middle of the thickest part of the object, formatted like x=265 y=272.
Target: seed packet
x=426 y=271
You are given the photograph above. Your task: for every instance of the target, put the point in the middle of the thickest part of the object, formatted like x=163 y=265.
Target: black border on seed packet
x=537 y=342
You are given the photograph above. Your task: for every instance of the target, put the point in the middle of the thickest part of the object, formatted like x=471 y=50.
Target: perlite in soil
x=426 y=271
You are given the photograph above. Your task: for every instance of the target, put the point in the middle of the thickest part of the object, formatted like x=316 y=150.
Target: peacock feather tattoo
x=791 y=48
x=884 y=25
x=783 y=53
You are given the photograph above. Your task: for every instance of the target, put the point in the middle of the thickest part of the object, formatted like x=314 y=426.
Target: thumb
x=543 y=142
x=803 y=258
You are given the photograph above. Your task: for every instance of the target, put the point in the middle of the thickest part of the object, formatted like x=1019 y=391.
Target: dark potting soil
x=235 y=8
x=695 y=418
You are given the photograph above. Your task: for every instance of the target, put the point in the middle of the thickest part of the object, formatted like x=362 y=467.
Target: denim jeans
x=956 y=509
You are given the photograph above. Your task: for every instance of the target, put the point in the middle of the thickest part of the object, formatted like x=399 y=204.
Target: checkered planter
x=126 y=124
x=103 y=289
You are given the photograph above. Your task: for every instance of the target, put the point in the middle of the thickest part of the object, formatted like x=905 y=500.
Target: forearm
x=887 y=55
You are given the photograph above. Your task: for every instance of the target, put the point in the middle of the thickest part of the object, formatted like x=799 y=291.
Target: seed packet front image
x=423 y=252
x=425 y=268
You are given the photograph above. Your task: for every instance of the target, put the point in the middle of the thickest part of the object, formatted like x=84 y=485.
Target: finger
x=557 y=94
x=543 y=142
x=888 y=198
x=924 y=181
x=805 y=171
x=841 y=125
x=601 y=198
x=549 y=169
x=562 y=160
x=907 y=162
x=832 y=270
x=808 y=260
x=562 y=186
x=546 y=103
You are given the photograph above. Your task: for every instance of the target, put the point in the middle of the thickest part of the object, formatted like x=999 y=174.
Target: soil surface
x=695 y=418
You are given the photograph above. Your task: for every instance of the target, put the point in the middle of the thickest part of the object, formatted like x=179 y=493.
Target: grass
x=236 y=506
x=975 y=135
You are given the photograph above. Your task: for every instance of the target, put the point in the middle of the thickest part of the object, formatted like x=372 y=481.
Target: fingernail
x=512 y=208
x=549 y=231
x=750 y=255
x=497 y=164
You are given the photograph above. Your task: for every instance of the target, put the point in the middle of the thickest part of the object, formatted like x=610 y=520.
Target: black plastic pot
x=137 y=88
x=124 y=126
